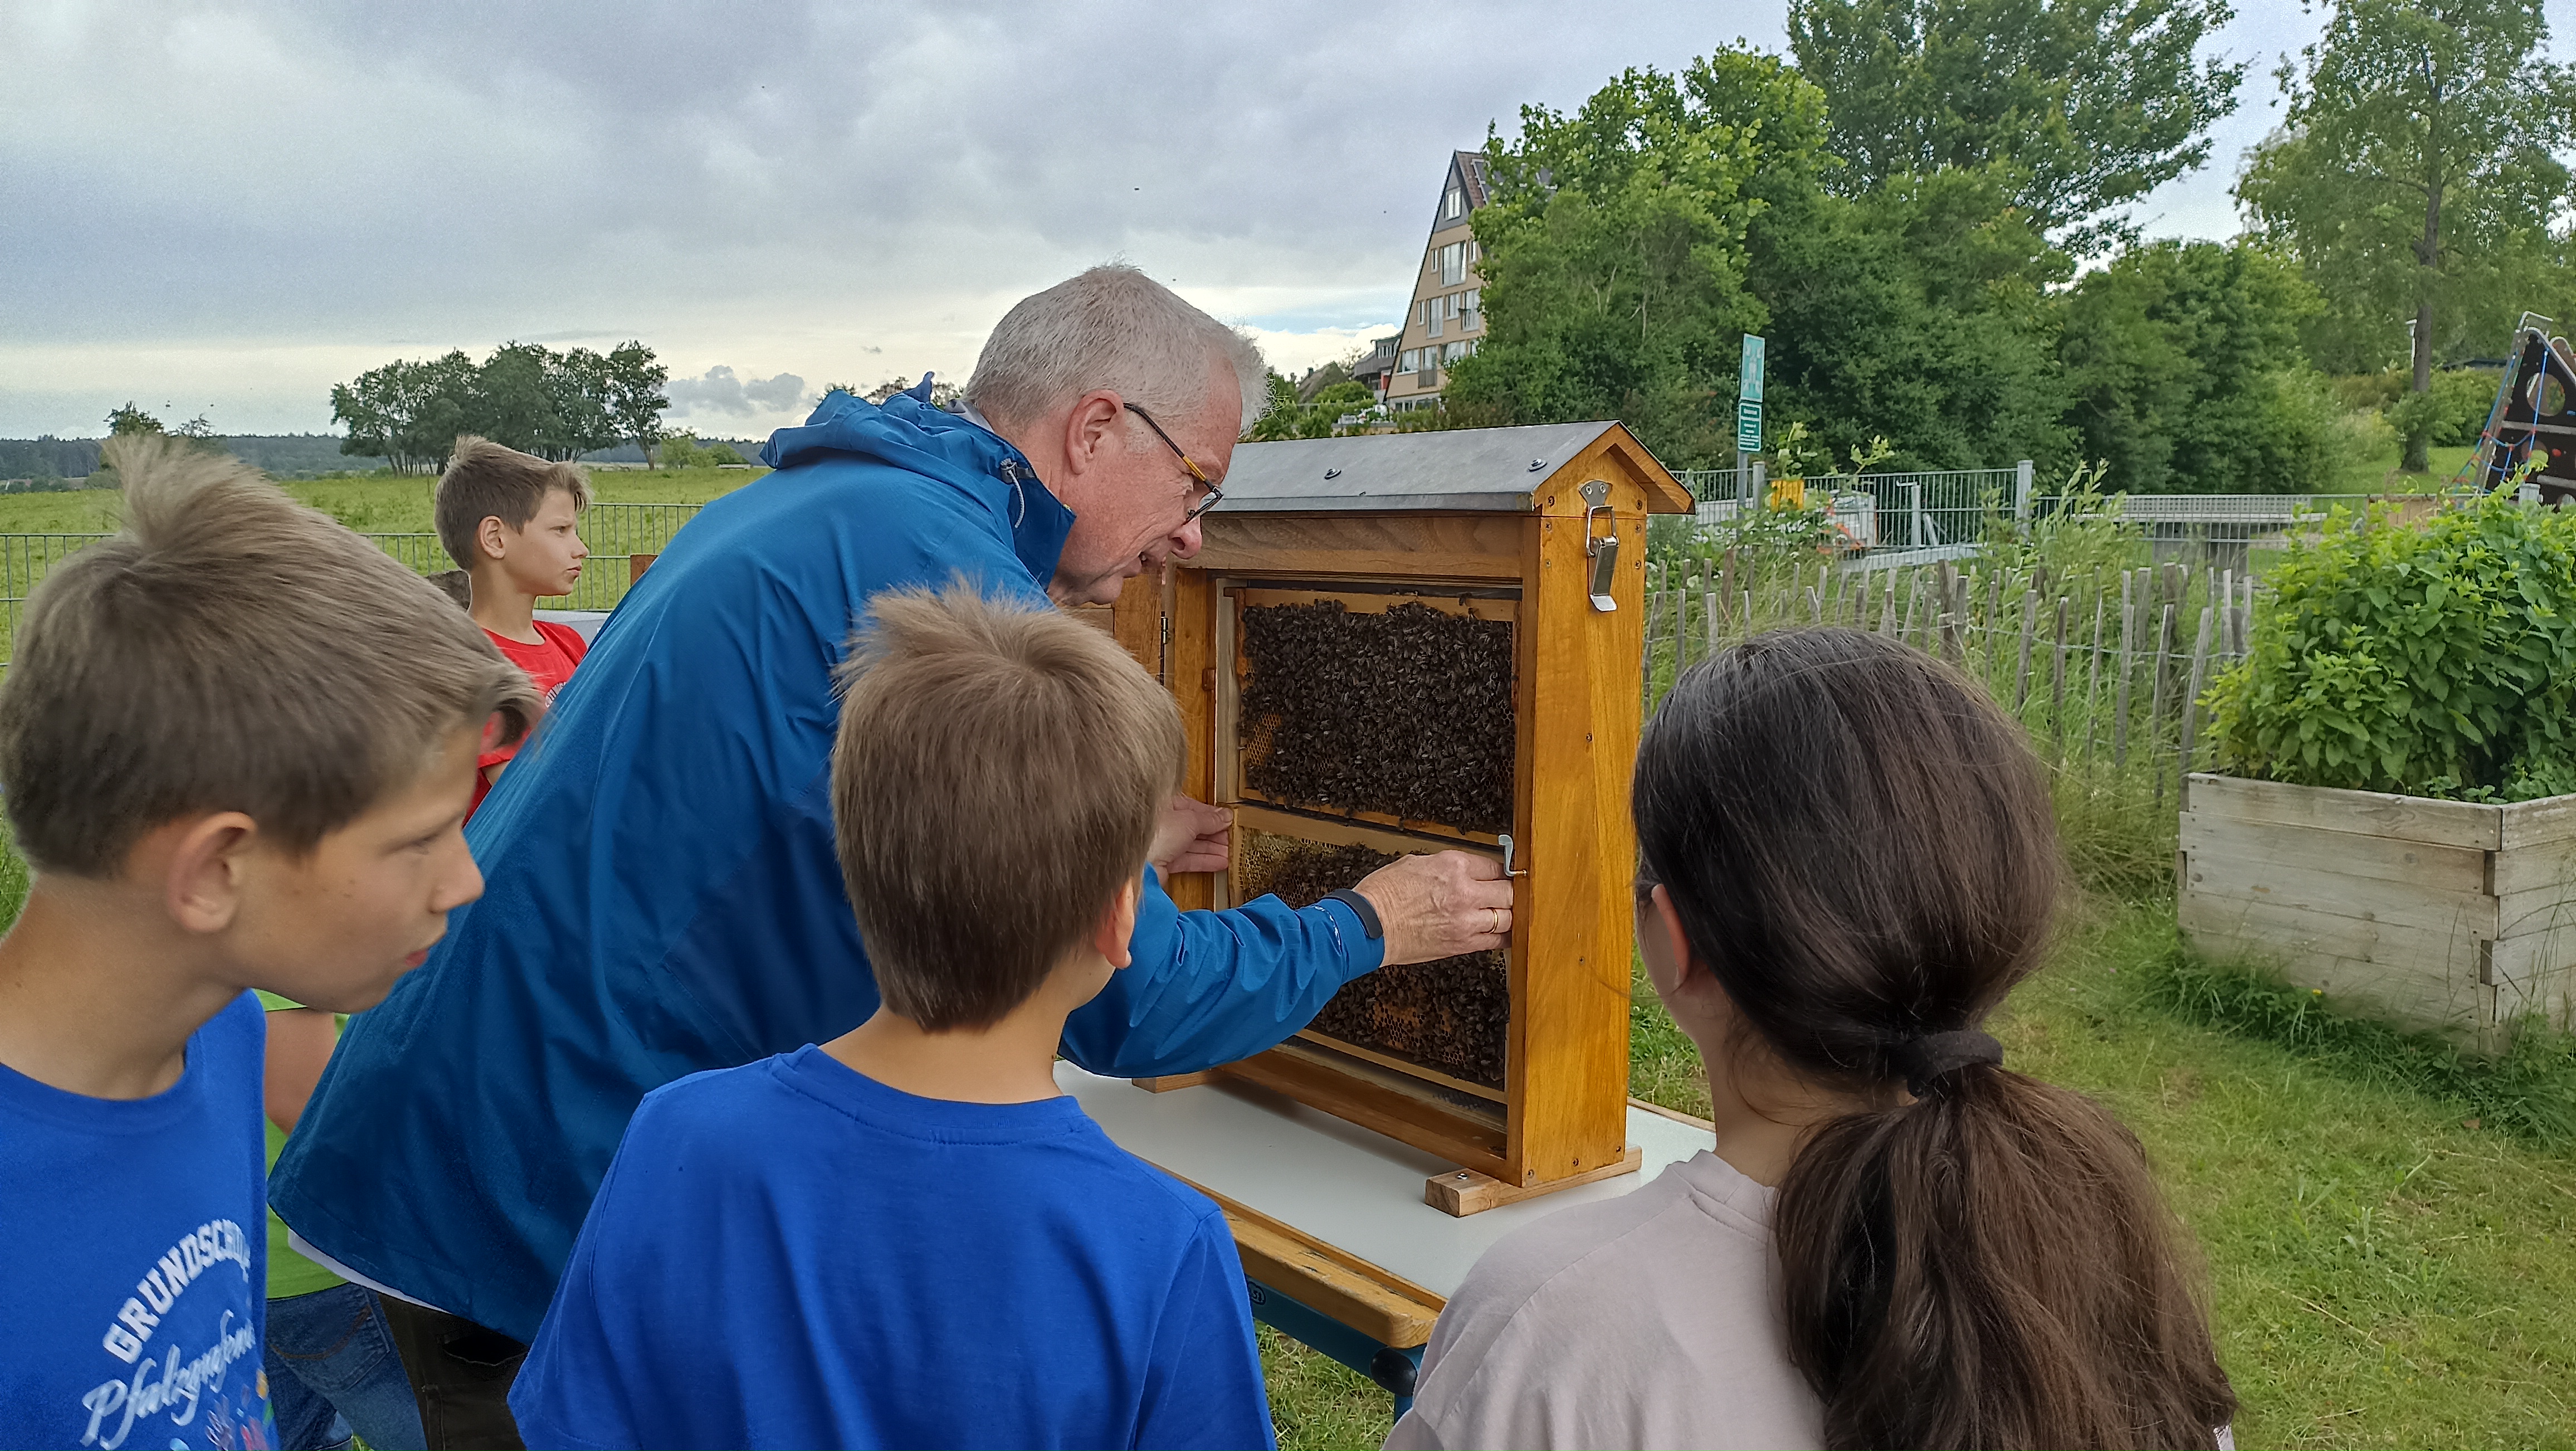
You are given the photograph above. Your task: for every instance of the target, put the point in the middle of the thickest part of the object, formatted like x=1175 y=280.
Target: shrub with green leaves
x=2432 y=660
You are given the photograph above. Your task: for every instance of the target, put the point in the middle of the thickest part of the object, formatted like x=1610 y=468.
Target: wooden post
x=1573 y=1018
x=2057 y=682
x=1708 y=613
x=2029 y=622
x=1913 y=604
x=1748 y=614
x=1994 y=630
x=2156 y=701
x=2128 y=670
x=1949 y=636
x=2093 y=680
x=1726 y=579
x=1681 y=634
x=1195 y=603
x=2191 y=702
x=1887 y=613
x=1815 y=605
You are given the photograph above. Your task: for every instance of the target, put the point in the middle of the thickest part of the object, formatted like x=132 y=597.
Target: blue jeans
x=332 y=1370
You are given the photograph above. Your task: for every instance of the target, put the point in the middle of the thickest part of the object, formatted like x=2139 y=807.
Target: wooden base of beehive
x=1462 y=1192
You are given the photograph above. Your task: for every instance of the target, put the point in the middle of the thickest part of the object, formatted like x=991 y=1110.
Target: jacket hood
x=905 y=432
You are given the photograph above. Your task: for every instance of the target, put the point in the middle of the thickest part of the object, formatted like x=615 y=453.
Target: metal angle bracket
x=1603 y=551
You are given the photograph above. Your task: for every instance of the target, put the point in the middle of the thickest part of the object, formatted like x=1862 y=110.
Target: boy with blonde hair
x=909 y=1236
x=237 y=744
x=511 y=521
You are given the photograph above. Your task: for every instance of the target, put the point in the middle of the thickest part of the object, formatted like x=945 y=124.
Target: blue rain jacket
x=662 y=894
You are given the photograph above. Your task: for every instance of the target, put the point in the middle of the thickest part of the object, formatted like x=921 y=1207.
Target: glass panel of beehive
x=1404 y=714
x=1452 y=1016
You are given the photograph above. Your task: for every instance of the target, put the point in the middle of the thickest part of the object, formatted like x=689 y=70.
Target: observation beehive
x=1416 y=642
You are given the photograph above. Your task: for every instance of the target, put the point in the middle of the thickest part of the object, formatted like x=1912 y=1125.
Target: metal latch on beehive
x=1602 y=551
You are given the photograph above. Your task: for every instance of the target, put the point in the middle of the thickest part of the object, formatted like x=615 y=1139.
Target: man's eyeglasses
x=1214 y=493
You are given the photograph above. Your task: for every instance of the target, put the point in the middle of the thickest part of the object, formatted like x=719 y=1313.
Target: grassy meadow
x=377 y=503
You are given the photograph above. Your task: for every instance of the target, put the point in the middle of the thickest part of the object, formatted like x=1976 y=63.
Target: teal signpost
x=1748 y=399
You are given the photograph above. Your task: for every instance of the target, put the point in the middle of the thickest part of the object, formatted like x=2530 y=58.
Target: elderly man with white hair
x=663 y=892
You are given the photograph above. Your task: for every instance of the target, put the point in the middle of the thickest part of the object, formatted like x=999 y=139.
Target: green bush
x=2435 y=661
x=2452 y=413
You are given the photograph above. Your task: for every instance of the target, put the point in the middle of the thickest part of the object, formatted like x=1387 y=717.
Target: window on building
x=1472 y=305
x=1454 y=351
x=1456 y=204
x=1453 y=264
x=1432 y=313
x=1412 y=361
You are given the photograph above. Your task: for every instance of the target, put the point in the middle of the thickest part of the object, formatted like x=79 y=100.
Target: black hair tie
x=1927 y=1059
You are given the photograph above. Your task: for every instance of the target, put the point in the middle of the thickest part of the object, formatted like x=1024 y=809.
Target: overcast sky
x=224 y=208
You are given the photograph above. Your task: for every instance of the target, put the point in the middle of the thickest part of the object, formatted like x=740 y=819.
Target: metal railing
x=1919 y=517
x=616 y=533
x=2240 y=532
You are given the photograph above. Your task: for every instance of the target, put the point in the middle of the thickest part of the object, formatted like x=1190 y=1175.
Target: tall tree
x=2414 y=173
x=1919 y=311
x=1614 y=252
x=2187 y=374
x=634 y=379
x=2091 y=103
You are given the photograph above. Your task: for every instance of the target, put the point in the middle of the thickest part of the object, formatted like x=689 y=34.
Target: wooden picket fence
x=2104 y=667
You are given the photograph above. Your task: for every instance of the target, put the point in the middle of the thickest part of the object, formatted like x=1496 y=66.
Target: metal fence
x=616 y=534
x=1883 y=519
x=2240 y=532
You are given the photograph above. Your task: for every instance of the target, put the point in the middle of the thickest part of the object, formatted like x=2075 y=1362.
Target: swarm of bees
x=1408 y=712
x=1453 y=1015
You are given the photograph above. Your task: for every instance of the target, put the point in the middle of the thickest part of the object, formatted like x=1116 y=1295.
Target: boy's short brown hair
x=485 y=480
x=998 y=776
x=229 y=650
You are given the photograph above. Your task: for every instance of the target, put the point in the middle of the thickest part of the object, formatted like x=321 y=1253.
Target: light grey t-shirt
x=1645 y=1320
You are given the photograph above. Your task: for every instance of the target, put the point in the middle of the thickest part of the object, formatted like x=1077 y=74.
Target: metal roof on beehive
x=1488 y=470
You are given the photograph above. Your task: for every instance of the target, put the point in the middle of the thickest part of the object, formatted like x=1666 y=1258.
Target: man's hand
x=1440 y=905
x=1191 y=837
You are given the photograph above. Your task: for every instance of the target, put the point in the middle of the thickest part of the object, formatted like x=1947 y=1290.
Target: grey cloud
x=721 y=392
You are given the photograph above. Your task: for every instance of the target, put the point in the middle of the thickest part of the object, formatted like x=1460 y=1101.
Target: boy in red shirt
x=511 y=521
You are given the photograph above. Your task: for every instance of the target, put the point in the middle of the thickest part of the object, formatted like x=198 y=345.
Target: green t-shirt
x=289 y=1273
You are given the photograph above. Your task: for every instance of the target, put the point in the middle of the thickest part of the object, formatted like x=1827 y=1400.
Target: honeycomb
x=1452 y=1016
x=1408 y=712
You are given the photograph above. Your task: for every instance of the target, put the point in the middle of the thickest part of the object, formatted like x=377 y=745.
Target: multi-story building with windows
x=1447 y=319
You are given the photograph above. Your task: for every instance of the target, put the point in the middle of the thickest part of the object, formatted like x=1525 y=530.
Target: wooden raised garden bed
x=2452 y=916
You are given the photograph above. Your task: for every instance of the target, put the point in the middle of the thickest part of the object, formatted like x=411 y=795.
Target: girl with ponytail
x=1846 y=860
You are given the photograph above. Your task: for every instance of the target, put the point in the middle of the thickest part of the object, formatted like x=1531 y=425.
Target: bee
x=1452 y=1015
x=1406 y=712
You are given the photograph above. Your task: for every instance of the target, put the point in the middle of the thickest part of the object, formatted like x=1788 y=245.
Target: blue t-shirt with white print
x=791 y=1253
x=135 y=1298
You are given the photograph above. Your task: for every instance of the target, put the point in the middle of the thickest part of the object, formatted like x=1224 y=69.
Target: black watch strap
x=1360 y=907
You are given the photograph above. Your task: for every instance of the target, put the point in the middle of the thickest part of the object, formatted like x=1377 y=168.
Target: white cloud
x=721 y=392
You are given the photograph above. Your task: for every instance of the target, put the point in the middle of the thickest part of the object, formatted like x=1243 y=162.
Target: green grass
x=2381 y=475
x=2388 y=1245
x=372 y=503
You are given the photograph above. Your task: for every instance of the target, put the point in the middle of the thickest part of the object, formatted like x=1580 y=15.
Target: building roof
x=1468 y=170
x=1484 y=470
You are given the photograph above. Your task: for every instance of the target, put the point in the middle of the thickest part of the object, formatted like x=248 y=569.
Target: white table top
x=1353 y=1188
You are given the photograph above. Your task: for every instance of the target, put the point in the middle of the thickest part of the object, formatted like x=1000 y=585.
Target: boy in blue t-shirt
x=237 y=742
x=908 y=1236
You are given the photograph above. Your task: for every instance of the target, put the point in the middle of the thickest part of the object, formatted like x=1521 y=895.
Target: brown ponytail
x=1861 y=849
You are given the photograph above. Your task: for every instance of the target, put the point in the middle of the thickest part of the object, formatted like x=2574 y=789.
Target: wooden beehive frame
x=1561 y=1117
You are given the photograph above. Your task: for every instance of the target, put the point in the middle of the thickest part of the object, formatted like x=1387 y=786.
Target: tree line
x=554 y=405
x=1927 y=207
